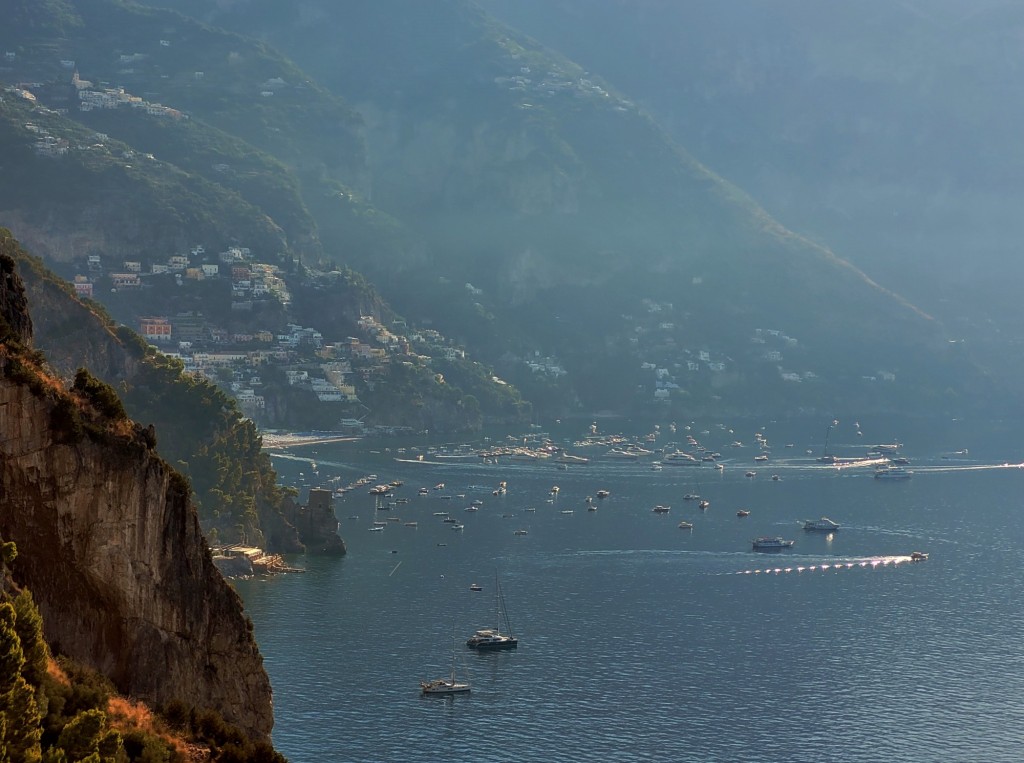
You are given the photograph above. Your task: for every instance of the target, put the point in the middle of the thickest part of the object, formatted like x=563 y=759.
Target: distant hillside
x=71 y=191
x=881 y=128
x=564 y=207
x=496 y=191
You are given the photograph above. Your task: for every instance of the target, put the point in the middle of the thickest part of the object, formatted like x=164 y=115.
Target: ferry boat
x=821 y=525
x=892 y=473
x=771 y=543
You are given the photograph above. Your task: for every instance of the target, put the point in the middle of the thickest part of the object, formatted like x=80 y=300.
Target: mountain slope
x=564 y=204
x=882 y=128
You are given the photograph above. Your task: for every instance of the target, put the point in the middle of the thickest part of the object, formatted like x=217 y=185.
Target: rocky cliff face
x=111 y=547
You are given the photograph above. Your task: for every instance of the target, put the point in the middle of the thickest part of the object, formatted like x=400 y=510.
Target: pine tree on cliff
x=21 y=717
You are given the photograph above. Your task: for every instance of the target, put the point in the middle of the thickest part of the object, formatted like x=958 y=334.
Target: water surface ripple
x=644 y=642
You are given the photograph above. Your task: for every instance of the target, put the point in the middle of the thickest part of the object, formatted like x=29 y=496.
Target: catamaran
x=493 y=638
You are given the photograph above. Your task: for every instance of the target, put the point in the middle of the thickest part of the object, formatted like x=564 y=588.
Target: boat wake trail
x=868 y=563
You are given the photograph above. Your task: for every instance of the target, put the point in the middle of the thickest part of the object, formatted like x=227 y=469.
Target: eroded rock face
x=111 y=548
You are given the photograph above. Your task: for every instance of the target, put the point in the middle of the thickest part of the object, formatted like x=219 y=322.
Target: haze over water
x=643 y=641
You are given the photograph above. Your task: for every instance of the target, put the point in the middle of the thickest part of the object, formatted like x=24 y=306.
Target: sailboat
x=826 y=457
x=446 y=685
x=493 y=638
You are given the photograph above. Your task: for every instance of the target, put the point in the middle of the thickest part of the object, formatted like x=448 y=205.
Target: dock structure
x=246 y=561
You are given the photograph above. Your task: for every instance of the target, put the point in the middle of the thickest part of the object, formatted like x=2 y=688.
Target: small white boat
x=520 y=532
x=659 y=509
x=743 y=513
x=684 y=525
x=918 y=556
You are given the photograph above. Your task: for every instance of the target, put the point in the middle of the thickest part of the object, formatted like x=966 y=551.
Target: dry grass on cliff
x=54 y=670
x=127 y=715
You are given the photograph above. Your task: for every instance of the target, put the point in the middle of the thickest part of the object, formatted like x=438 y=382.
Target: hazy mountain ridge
x=563 y=208
x=881 y=128
x=530 y=178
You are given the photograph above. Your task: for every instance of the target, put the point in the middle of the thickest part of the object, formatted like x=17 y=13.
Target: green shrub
x=100 y=394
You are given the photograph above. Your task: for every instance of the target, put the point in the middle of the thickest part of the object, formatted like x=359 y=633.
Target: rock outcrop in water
x=110 y=544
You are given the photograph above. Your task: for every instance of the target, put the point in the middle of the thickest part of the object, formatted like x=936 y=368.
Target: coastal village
x=333 y=368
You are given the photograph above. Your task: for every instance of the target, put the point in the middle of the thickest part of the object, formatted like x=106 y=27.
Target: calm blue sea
x=640 y=641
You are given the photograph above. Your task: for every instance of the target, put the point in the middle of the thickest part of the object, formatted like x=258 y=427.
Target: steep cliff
x=111 y=545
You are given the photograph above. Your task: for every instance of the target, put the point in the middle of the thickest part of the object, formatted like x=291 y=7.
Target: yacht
x=821 y=525
x=569 y=458
x=679 y=458
x=620 y=453
x=771 y=543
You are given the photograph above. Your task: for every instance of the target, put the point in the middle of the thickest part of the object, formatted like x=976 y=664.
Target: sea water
x=643 y=641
